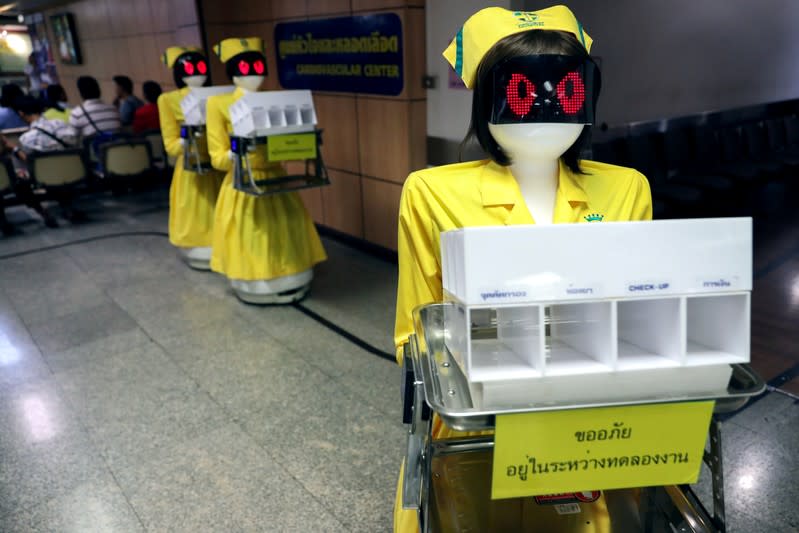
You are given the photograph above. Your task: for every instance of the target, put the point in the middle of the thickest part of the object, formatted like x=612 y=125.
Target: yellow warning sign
x=597 y=449
x=291 y=147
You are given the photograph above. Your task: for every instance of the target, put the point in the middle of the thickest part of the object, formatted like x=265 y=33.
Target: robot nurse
x=193 y=193
x=266 y=245
x=535 y=89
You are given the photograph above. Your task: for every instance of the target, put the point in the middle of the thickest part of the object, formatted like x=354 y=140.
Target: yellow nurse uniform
x=255 y=237
x=483 y=193
x=192 y=196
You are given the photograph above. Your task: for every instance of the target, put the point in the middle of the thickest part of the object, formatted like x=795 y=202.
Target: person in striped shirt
x=43 y=135
x=93 y=115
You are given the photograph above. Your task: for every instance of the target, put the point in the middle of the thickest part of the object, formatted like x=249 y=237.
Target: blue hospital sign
x=360 y=54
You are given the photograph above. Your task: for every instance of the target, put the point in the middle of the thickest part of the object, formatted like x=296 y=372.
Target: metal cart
x=195 y=152
x=303 y=174
x=449 y=481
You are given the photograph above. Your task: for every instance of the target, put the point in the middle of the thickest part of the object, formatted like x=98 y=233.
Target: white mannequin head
x=535 y=141
x=195 y=81
x=248 y=83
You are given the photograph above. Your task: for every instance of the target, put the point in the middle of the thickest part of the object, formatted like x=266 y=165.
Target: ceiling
x=28 y=6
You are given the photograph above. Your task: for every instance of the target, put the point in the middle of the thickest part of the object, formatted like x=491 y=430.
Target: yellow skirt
x=262 y=237
x=192 y=199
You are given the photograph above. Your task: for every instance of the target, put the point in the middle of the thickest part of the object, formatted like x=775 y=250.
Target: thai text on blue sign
x=360 y=54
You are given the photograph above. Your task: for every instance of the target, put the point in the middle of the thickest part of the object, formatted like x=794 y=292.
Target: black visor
x=189 y=64
x=545 y=88
x=246 y=64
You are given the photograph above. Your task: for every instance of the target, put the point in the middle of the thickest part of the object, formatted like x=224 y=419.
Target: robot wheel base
x=198 y=258
x=281 y=298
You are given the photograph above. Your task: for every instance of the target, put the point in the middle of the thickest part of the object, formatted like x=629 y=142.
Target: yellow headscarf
x=235 y=45
x=174 y=52
x=483 y=29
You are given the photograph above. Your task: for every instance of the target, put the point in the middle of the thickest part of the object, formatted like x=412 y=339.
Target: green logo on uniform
x=594 y=217
x=527 y=19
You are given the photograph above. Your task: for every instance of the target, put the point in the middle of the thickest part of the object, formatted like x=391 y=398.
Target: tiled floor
x=138 y=395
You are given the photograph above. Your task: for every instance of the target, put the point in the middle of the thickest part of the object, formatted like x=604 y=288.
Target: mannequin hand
x=230 y=155
x=182 y=143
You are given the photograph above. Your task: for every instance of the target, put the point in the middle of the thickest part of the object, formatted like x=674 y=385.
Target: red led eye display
x=202 y=68
x=521 y=94
x=258 y=67
x=188 y=68
x=244 y=67
x=571 y=93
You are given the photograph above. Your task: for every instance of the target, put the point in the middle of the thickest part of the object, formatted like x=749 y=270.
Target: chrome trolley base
x=448 y=482
x=314 y=173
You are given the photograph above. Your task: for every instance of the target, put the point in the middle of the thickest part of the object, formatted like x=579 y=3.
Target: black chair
x=684 y=169
x=734 y=154
x=93 y=144
x=759 y=152
x=644 y=153
x=127 y=163
x=778 y=142
x=6 y=192
x=61 y=174
x=717 y=153
x=156 y=147
x=792 y=132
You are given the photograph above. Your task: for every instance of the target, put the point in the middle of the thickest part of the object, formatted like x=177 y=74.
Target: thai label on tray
x=568 y=508
x=547 y=453
x=291 y=147
x=568 y=497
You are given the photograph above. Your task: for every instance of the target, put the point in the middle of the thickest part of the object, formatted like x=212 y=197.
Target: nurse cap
x=174 y=52
x=235 y=46
x=483 y=29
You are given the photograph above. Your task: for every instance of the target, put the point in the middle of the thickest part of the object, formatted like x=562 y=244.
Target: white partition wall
x=718 y=329
x=650 y=333
x=580 y=339
x=273 y=113
x=541 y=326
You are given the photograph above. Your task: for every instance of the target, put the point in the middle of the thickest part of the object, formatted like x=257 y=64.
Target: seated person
x=9 y=118
x=125 y=101
x=146 y=117
x=44 y=135
x=93 y=115
x=56 y=103
x=5 y=226
x=22 y=186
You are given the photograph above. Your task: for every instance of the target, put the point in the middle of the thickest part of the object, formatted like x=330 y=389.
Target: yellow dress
x=256 y=237
x=482 y=193
x=192 y=196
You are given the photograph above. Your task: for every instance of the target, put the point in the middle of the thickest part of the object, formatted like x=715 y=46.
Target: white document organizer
x=273 y=113
x=598 y=311
x=193 y=104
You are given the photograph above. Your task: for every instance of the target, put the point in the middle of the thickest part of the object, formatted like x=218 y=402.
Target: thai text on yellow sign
x=291 y=147
x=598 y=449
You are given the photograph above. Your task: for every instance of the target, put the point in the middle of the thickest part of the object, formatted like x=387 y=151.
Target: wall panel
x=127 y=38
x=343 y=206
x=371 y=142
x=381 y=208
